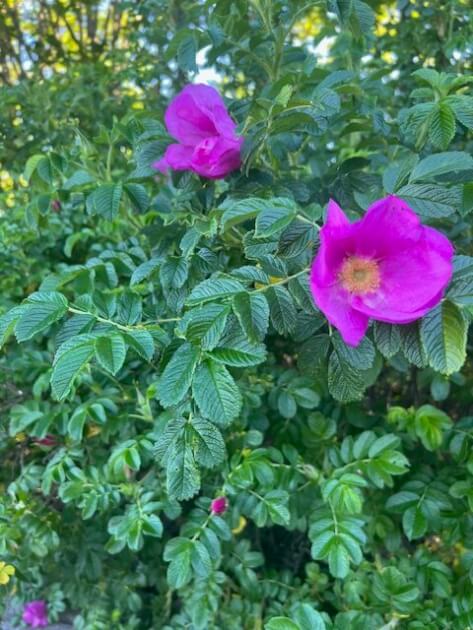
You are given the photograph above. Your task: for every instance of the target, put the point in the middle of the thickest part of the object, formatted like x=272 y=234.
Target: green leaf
x=430 y=200
x=177 y=376
x=442 y=164
x=338 y=560
x=240 y=211
x=430 y=424
x=138 y=196
x=8 y=322
x=186 y=53
x=252 y=311
x=276 y=503
x=443 y=332
x=38 y=312
x=387 y=338
x=441 y=125
x=287 y=405
x=411 y=344
x=236 y=350
x=111 y=352
x=281 y=623
x=142 y=342
x=78 y=179
x=76 y=424
x=214 y=289
x=70 y=358
x=216 y=393
x=144 y=271
x=345 y=383
x=282 y=310
x=204 y=325
x=129 y=308
x=105 y=201
x=277 y=215
x=209 y=448
x=179 y=552
x=461 y=289
x=308 y=618
x=23 y=416
x=361 y=356
x=182 y=474
x=414 y=522
x=173 y=272
x=173 y=429
x=32 y=164
x=462 y=106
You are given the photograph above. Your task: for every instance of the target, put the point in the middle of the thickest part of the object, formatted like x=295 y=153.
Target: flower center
x=360 y=275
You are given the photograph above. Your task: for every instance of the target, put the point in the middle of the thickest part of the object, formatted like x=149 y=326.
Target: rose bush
x=237 y=280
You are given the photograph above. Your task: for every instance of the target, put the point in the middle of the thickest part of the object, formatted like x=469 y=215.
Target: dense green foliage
x=161 y=333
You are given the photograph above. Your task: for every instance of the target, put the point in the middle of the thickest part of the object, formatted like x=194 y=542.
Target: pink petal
x=388 y=226
x=186 y=120
x=413 y=279
x=178 y=157
x=216 y=157
x=334 y=302
x=335 y=216
x=336 y=242
x=209 y=101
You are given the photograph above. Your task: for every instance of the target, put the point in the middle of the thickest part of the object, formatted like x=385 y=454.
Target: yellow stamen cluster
x=360 y=275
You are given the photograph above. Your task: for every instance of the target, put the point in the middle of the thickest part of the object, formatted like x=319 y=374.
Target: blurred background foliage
x=335 y=98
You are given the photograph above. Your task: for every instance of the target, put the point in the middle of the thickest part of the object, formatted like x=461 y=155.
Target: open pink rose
x=35 y=614
x=387 y=266
x=198 y=119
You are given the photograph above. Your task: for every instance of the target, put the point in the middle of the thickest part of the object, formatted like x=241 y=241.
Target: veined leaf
x=177 y=376
x=105 y=201
x=209 y=448
x=443 y=332
x=214 y=289
x=111 y=352
x=204 y=325
x=183 y=476
x=70 y=358
x=252 y=311
x=216 y=393
x=442 y=125
x=38 y=312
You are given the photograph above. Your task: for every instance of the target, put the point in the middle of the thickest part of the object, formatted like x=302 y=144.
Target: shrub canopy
x=161 y=345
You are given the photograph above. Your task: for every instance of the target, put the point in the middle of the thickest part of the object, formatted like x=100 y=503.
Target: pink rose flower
x=198 y=119
x=35 y=614
x=386 y=266
x=219 y=505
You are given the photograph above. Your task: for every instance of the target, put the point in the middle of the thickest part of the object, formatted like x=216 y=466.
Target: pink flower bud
x=219 y=505
x=49 y=440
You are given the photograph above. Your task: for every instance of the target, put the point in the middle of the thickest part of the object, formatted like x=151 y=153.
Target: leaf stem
x=124 y=327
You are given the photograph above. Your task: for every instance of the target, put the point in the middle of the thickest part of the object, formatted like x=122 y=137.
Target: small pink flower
x=35 y=614
x=387 y=266
x=219 y=505
x=198 y=119
x=49 y=440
